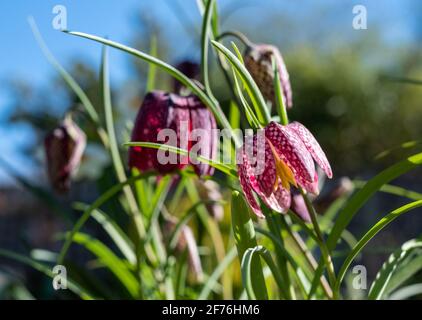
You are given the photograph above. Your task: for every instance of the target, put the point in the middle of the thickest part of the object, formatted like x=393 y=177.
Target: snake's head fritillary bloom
x=64 y=147
x=188 y=68
x=258 y=61
x=272 y=161
x=173 y=120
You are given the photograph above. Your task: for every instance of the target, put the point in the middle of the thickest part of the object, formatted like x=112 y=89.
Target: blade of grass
x=229 y=170
x=215 y=108
x=86 y=102
x=261 y=107
x=370 y=234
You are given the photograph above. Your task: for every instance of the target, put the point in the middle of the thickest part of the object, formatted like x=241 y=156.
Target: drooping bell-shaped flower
x=188 y=68
x=258 y=61
x=183 y=122
x=275 y=159
x=64 y=147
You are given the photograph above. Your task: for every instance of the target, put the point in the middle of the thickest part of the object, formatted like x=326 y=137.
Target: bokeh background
x=345 y=82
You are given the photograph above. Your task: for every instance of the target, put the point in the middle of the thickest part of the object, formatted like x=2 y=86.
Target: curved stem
x=238 y=35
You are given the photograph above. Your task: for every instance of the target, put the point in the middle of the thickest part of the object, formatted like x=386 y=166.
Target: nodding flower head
x=178 y=121
x=275 y=159
x=64 y=147
x=258 y=61
x=188 y=68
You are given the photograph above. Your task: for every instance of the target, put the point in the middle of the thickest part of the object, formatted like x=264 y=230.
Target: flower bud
x=64 y=147
x=258 y=61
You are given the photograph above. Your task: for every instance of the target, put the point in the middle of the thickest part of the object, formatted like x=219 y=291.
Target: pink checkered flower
x=287 y=158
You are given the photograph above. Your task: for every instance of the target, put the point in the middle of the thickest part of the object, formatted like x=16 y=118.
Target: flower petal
x=279 y=200
x=247 y=181
x=292 y=151
x=299 y=207
x=203 y=123
x=313 y=147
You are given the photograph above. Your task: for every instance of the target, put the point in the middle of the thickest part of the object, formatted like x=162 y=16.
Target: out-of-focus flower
x=342 y=187
x=186 y=117
x=188 y=68
x=210 y=190
x=185 y=242
x=288 y=159
x=258 y=61
x=64 y=147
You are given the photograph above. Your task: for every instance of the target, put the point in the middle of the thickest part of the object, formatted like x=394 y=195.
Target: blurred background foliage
x=342 y=91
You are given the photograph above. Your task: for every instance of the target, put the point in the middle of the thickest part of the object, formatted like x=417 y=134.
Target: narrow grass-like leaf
x=227 y=169
x=217 y=273
x=392 y=189
x=95 y=205
x=214 y=107
x=244 y=235
x=120 y=239
x=384 y=276
x=363 y=195
x=370 y=234
x=152 y=69
x=261 y=107
x=73 y=286
x=280 y=105
x=116 y=265
x=205 y=37
x=71 y=82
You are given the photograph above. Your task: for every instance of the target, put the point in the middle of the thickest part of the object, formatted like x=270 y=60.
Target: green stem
x=324 y=250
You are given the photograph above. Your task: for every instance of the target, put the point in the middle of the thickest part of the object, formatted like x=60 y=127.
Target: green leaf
x=363 y=195
x=280 y=105
x=73 y=286
x=380 y=287
x=247 y=267
x=244 y=235
x=407 y=292
x=256 y=95
x=68 y=79
x=95 y=205
x=205 y=36
x=152 y=69
x=370 y=234
x=227 y=169
x=116 y=265
x=120 y=239
x=217 y=273
x=214 y=107
x=39 y=192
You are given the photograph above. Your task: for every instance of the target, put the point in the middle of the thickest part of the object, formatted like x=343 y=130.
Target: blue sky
x=21 y=58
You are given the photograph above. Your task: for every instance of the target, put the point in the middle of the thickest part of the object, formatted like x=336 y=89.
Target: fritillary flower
x=258 y=61
x=288 y=155
x=183 y=116
x=64 y=147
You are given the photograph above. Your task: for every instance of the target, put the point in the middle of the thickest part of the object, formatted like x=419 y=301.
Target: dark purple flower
x=258 y=61
x=188 y=118
x=189 y=69
x=64 y=147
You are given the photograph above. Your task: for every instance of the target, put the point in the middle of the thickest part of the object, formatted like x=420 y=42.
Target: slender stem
x=308 y=256
x=281 y=260
x=324 y=250
x=237 y=35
